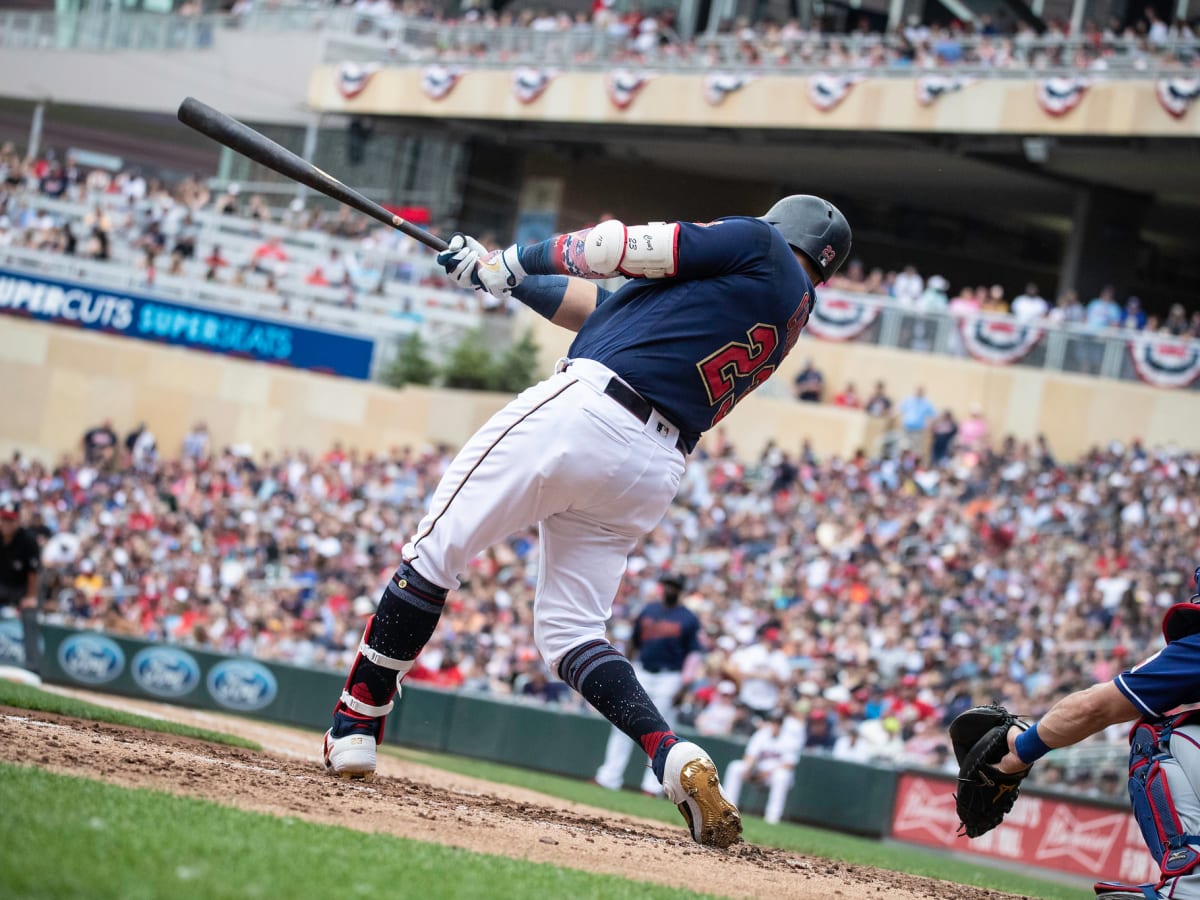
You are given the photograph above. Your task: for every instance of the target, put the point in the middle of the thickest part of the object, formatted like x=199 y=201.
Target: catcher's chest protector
x=1164 y=803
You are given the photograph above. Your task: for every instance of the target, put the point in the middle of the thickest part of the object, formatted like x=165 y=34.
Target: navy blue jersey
x=1166 y=680
x=664 y=636
x=694 y=344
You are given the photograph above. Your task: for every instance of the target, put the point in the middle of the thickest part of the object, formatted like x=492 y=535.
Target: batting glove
x=500 y=271
x=459 y=259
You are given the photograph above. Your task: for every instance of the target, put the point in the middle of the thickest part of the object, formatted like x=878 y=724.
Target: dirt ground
x=428 y=804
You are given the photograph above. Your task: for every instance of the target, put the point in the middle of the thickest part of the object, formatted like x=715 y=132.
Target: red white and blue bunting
x=998 y=341
x=839 y=319
x=623 y=86
x=1176 y=94
x=352 y=78
x=1058 y=96
x=720 y=85
x=528 y=83
x=931 y=88
x=438 y=81
x=1165 y=363
x=827 y=91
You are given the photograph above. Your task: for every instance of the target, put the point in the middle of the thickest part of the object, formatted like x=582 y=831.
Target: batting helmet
x=815 y=227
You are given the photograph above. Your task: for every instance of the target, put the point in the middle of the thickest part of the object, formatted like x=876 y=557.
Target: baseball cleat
x=691 y=783
x=351 y=756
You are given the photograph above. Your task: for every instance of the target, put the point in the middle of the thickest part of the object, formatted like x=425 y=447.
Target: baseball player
x=770 y=759
x=594 y=453
x=665 y=635
x=1164 y=758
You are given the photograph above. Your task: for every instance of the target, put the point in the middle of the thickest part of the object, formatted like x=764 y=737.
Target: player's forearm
x=567 y=302
x=606 y=250
x=1068 y=722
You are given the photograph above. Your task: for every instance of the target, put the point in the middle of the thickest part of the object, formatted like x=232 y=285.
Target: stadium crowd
x=152 y=225
x=870 y=598
x=630 y=35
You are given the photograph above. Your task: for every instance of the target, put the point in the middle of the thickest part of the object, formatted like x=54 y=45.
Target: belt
x=638 y=405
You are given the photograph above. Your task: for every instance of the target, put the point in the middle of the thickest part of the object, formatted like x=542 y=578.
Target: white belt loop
x=561 y=364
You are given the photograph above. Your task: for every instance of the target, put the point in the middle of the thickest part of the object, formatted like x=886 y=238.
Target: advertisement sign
x=151 y=319
x=1096 y=841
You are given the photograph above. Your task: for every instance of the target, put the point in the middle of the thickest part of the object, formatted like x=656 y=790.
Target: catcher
x=995 y=752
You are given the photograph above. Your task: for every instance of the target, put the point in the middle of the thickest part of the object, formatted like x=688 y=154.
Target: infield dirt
x=428 y=804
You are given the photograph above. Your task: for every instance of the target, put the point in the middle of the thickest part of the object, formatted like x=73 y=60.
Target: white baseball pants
x=779 y=782
x=566 y=456
x=661 y=688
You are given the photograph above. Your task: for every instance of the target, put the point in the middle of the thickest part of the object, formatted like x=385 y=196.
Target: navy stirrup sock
x=606 y=680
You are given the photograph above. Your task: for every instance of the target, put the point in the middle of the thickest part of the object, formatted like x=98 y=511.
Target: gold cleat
x=691 y=782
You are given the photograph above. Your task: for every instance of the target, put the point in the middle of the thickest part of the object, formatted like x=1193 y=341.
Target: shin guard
x=1156 y=780
x=379 y=706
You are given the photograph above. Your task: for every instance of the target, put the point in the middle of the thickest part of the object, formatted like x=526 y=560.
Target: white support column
x=895 y=15
x=1078 y=11
x=35 y=130
x=1181 y=10
x=310 y=148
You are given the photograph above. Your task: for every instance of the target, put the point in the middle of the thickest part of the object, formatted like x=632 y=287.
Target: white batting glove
x=500 y=271
x=459 y=259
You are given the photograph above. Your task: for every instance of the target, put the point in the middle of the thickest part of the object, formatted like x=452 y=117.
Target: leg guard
x=1165 y=803
x=359 y=706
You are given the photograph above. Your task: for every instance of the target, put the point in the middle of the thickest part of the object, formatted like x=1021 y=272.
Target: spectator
x=195 y=444
x=1103 y=311
x=934 y=299
x=809 y=384
x=944 y=430
x=1134 y=317
x=848 y=397
x=879 y=404
x=100 y=444
x=973 y=435
x=1030 y=306
x=719 y=715
x=1068 y=310
x=770 y=760
x=965 y=303
x=916 y=412
x=908 y=287
x=763 y=671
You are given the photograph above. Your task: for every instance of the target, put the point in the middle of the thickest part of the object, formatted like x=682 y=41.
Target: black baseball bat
x=245 y=140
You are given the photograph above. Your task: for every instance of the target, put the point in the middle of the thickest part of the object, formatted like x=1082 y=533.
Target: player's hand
x=460 y=259
x=500 y=271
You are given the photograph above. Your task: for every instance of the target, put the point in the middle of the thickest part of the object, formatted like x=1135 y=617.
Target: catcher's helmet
x=815 y=227
x=1183 y=619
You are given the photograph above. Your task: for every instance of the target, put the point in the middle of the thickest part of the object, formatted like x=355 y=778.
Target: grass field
x=25 y=697
x=134 y=844
x=798 y=838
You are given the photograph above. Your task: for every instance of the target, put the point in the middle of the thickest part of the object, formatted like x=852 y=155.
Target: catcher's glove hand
x=985 y=794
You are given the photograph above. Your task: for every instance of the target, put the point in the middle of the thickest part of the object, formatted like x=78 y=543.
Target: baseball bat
x=245 y=140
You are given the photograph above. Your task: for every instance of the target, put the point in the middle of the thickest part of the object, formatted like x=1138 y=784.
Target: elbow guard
x=644 y=251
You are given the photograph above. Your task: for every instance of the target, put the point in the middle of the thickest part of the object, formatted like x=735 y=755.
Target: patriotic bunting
x=1176 y=94
x=352 y=78
x=1001 y=342
x=1058 y=96
x=623 y=86
x=720 y=85
x=528 y=83
x=839 y=319
x=438 y=81
x=1165 y=363
x=931 y=88
x=827 y=91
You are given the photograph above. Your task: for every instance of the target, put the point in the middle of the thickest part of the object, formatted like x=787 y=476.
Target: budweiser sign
x=1094 y=841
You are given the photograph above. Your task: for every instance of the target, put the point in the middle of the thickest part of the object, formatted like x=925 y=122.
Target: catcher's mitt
x=985 y=794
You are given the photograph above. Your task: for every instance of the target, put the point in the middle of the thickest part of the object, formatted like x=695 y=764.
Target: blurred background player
x=665 y=635
x=1164 y=755
x=20 y=574
x=770 y=760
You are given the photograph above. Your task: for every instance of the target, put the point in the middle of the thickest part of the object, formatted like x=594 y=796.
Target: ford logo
x=242 y=685
x=91 y=658
x=12 y=643
x=165 y=671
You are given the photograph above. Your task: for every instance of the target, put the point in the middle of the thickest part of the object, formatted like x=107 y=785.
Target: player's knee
x=553 y=639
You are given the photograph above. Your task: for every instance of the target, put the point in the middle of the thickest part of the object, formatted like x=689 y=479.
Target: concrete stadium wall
x=57 y=382
x=987 y=106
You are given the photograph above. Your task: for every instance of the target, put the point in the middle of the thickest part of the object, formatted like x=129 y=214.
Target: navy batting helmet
x=815 y=227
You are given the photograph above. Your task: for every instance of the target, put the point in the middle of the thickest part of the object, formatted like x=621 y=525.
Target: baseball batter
x=594 y=453
x=665 y=634
x=1164 y=758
